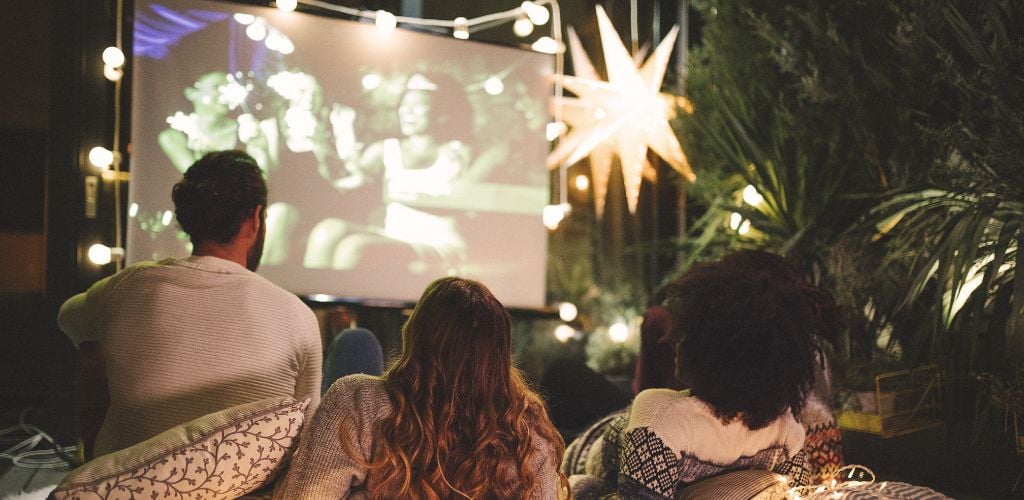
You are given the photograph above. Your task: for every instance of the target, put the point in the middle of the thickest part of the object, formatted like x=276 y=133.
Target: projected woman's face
x=414 y=112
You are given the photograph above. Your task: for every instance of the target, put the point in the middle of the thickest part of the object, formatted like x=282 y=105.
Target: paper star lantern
x=623 y=116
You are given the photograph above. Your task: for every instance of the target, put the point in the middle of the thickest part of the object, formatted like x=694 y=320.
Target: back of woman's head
x=464 y=420
x=743 y=340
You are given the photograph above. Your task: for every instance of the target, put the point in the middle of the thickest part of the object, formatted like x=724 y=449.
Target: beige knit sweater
x=183 y=338
x=321 y=470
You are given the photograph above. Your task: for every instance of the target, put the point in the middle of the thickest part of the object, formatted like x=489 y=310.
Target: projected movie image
x=392 y=159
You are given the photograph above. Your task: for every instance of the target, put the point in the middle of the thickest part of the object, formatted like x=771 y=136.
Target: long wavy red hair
x=465 y=423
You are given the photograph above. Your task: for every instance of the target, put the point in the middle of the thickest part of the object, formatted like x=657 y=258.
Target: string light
x=582 y=182
x=546 y=45
x=385 y=21
x=567 y=311
x=102 y=255
x=287 y=5
x=846 y=479
x=564 y=333
x=751 y=196
x=522 y=27
x=461 y=30
x=536 y=13
x=101 y=157
x=553 y=214
x=113 y=56
x=618 y=332
x=494 y=86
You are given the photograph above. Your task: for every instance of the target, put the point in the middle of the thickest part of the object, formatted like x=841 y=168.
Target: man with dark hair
x=182 y=338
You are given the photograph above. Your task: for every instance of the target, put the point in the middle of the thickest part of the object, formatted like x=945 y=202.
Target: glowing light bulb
x=538 y=14
x=385 y=21
x=256 y=31
x=522 y=27
x=286 y=47
x=133 y=210
x=287 y=5
x=553 y=130
x=101 y=157
x=567 y=311
x=582 y=182
x=111 y=73
x=245 y=19
x=751 y=196
x=546 y=45
x=744 y=227
x=273 y=40
x=371 y=81
x=167 y=218
x=113 y=56
x=461 y=30
x=618 y=332
x=564 y=332
x=494 y=86
x=735 y=220
x=553 y=215
x=101 y=254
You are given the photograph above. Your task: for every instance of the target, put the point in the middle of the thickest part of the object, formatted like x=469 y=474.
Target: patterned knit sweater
x=669 y=439
x=354 y=406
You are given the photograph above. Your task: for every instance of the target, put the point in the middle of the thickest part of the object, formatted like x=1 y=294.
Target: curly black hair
x=216 y=195
x=743 y=340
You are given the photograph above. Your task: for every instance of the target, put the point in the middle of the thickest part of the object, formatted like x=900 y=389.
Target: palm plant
x=960 y=239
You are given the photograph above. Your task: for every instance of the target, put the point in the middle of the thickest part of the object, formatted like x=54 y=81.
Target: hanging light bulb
x=256 y=31
x=582 y=182
x=618 y=332
x=101 y=254
x=564 y=332
x=113 y=56
x=494 y=86
x=244 y=19
x=538 y=14
x=111 y=73
x=385 y=21
x=553 y=215
x=371 y=81
x=751 y=196
x=522 y=27
x=553 y=130
x=287 y=5
x=567 y=311
x=546 y=45
x=735 y=220
x=101 y=157
x=461 y=30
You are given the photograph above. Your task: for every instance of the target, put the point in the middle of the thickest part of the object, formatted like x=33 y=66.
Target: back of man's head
x=216 y=195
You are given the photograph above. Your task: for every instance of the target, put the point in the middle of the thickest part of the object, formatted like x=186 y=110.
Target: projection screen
x=391 y=159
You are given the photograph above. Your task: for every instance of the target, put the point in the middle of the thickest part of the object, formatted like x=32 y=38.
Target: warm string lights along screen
x=392 y=158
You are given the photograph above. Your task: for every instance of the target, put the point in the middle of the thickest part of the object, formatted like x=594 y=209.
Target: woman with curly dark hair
x=743 y=346
x=451 y=418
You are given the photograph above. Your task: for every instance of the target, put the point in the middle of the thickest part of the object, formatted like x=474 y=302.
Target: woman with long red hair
x=452 y=418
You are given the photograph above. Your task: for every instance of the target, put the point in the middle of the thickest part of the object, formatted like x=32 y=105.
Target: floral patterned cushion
x=221 y=455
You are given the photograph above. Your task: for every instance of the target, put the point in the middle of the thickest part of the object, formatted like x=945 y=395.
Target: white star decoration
x=625 y=115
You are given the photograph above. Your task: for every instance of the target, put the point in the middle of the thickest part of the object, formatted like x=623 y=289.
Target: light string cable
x=118 y=238
x=556 y=31
x=845 y=478
x=23 y=455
